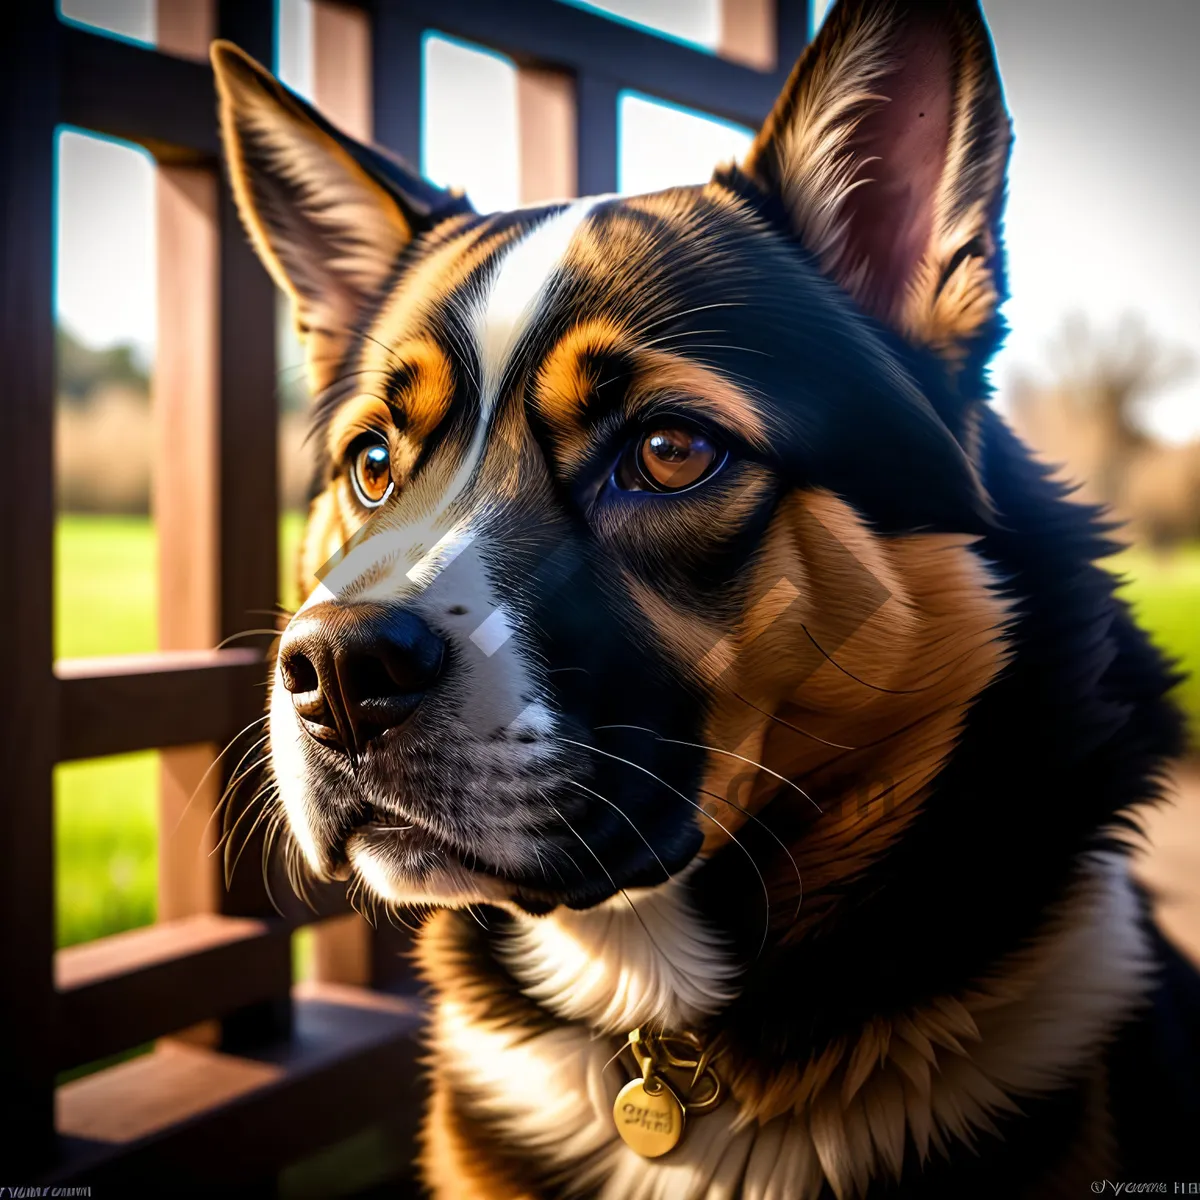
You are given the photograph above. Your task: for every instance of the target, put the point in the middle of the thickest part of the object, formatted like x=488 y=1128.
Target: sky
x=1100 y=216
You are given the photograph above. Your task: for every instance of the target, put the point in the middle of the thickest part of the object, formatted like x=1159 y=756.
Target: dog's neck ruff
x=930 y=1078
x=642 y=958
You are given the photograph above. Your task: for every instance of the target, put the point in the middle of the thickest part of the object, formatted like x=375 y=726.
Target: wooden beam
x=211 y=1120
x=247 y=488
x=29 y=111
x=144 y=701
x=120 y=991
x=160 y=101
x=550 y=34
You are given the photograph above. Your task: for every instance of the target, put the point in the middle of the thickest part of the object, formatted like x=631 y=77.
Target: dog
x=685 y=630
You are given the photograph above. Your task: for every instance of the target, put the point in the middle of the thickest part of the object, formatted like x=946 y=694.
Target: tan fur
x=423 y=398
x=363 y=414
x=944 y=317
x=567 y=379
x=934 y=643
x=324 y=534
x=455 y=1167
x=567 y=383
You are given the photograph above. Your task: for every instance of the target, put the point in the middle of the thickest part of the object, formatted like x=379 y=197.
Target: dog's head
x=617 y=492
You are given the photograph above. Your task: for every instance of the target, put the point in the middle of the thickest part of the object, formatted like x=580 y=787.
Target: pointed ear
x=328 y=216
x=888 y=149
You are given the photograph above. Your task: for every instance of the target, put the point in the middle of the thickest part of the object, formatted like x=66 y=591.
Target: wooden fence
x=249 y=1073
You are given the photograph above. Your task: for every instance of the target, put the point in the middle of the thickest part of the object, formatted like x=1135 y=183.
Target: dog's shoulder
x=1154 y=1076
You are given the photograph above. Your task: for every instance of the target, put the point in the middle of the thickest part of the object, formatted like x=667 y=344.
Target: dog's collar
x=678 y=1079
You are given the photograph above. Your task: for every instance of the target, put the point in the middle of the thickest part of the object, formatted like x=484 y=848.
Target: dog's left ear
x=888 y=149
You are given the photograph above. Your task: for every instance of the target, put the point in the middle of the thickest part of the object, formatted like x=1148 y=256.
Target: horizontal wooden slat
x=121 y=991
x=546 y=32
x=143 y=701
x=166 y=104
x=193 y=1119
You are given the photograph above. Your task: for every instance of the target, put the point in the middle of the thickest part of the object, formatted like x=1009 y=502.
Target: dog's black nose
x=357 y=670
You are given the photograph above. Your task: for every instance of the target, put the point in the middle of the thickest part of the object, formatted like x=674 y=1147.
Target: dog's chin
x=408 y=865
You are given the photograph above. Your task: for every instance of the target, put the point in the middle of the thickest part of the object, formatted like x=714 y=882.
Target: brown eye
x=372 y=474
x=670 y=459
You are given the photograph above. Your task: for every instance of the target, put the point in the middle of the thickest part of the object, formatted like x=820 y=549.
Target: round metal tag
x=649 y=1122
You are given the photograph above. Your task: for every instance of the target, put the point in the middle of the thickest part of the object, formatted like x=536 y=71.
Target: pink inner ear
x=890 y=218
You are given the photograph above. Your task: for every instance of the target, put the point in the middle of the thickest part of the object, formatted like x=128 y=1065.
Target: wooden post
x=28 y=114
x=185 y=512
x=547 y=135
x=749 y=33
x=342 y=67
x=215 y=481
x=184 y=474
x=186 y=27
x=246 y=488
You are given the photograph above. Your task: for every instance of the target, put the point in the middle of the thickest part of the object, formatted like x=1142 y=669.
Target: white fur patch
x=640 y=958
x=519 y=289
x=290 y=770
x=945 y=1071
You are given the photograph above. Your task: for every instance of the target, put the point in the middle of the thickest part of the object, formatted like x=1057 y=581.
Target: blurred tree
x=82 y=370
x=1113 y=374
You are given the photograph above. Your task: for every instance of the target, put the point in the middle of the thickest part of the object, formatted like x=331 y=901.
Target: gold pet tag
x=649 y=1117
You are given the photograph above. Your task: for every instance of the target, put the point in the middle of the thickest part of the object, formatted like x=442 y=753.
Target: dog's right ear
x=328 y=216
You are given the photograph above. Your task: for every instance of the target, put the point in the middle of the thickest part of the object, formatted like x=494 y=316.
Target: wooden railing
x=249 y=1073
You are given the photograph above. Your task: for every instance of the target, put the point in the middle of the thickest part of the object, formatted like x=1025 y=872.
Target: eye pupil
x=673 y=459
x=670 y=447
x=373 y=473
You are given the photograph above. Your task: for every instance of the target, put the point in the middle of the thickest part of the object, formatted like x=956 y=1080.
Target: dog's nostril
x=299 y=675
x=367 y=678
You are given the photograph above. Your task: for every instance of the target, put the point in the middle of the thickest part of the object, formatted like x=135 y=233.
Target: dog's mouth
x=403 y=861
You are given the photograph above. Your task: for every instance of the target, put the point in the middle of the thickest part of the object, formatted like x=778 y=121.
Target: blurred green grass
x=106 y=827
x=1164 y=591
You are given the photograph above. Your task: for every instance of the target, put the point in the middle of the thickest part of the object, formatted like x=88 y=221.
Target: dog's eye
x=371 y=473
x=669 y=458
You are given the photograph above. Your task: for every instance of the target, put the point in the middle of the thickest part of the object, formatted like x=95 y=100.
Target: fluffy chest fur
x=539 y=1079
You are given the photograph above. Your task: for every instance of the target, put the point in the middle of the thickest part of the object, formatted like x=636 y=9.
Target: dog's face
x=606 y=483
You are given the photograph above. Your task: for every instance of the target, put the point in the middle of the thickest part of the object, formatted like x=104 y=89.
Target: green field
x=106 y=826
